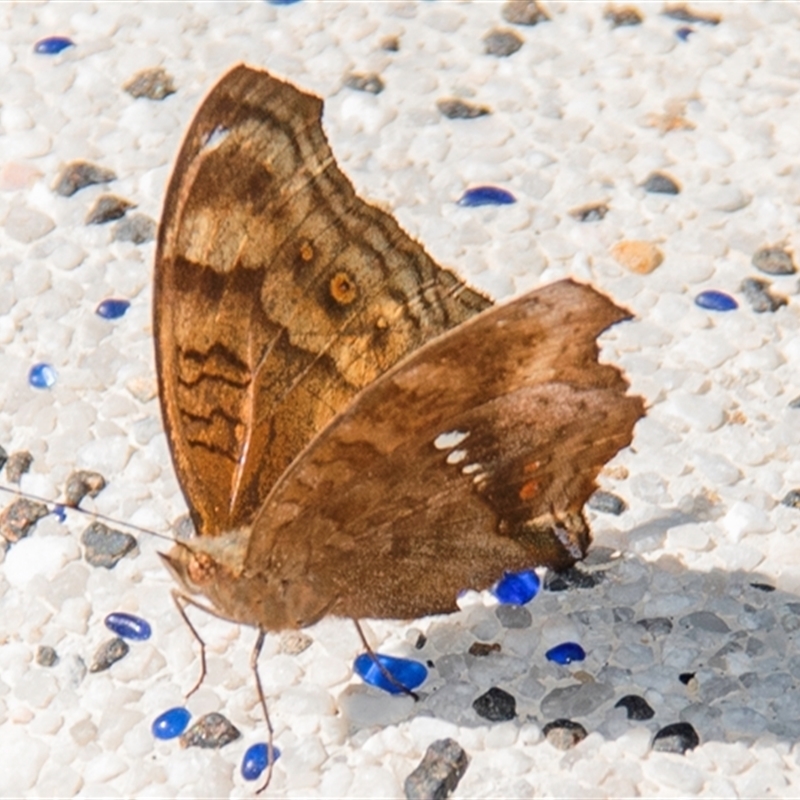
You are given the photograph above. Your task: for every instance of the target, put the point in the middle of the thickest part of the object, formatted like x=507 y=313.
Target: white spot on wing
x=449 y=439
x=456 y=456
x=215 y=138
x=470 y=468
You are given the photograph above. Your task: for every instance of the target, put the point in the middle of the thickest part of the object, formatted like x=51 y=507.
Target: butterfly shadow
x=712 y=647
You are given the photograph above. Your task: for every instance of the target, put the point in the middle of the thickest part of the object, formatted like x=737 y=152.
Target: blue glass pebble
x=112 y=308
x=566 y=653
x=128 y=626
x=52 y=45
x=684 y=33
x=42 y=376
x=255 y=761
x=486 y=196
x=715 y=301
x=171 y=723
x=408 y=673
x=282 y=3
x=517 y=587
x=59 y=512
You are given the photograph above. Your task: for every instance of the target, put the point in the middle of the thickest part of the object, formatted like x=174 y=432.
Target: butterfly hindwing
x=473 y=456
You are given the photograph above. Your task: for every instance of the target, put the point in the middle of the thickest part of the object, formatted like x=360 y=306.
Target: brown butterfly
x=356 y=432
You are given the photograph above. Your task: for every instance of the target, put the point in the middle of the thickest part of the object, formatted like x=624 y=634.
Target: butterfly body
x=357 y=432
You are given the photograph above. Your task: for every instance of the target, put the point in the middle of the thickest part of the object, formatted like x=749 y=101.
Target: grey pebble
x=743 y=719
x=451 y=666
x=18 y=519
x=135 y=228
x=614 y=676
x=593 y=212
x=498 y=668
x=623 y=17
x=512 y=616
x=607 y=503
x=452 y=702
x=755 y=646
x=656 y=626
x=78 y=174
x=791 y=499
x=761 y=300
x=530 y=686
x=106 y=546
x=578 y=700
x=757 y=619
x=774 y=261
x=439 y=772
x=623 y=614
x=106 y=208
x=211 y=731
x=719 y=660
x=705 y=621
x=636 y=707
x=676 y=738
x=790 y=623
x=46 y=656
x=564 y=734
x=183 y=528
x=81 y=483
x=683 y=13
x=496 y=705
x=17 y=464
x=717 y=687
x=502 y=43
x=660 y=183
x=109 y=653
x=453 y=108
x=370 y=82
x=634 y=656
x=76 y=671
x=154 y=83
x=4 y=456
x=572 y=578
x=524 y=12
x=774 y=684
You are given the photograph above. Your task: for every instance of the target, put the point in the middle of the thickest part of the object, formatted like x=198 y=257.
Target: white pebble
x=701 y=412
x=672 y=770
x=27 y=225
x=107 y=456
x=743 y=518
x=38 y=555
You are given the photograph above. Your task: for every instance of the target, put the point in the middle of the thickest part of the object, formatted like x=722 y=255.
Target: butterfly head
x=194 y=571
x=205 y=564
x=213 y=567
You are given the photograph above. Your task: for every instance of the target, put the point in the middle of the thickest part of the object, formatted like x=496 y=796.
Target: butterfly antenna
x=385 y=672
x=261 y=699
x=54 y=506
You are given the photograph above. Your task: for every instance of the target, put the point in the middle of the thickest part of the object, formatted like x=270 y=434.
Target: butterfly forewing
x=279 y=294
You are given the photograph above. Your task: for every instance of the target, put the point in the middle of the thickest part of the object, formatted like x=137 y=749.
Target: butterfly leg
x=181 y=601
x=385 y=672
x=254 y=666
